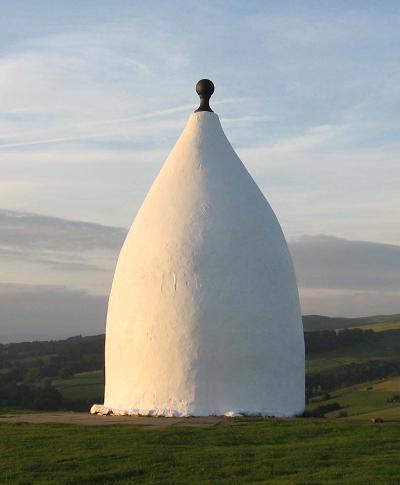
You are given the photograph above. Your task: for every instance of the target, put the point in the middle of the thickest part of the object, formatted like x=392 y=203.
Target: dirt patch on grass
x=87 y=419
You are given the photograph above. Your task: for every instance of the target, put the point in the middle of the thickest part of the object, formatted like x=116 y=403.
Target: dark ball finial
x=205 y=89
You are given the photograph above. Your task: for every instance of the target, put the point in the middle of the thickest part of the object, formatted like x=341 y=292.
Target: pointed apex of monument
x=205 y=89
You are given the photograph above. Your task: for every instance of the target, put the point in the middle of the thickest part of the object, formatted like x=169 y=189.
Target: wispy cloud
x=39 y=250
x=140 y=117
x=332 y=179
x=93 y=100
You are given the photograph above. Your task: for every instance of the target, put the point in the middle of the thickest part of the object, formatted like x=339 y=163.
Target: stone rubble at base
x=102 y=410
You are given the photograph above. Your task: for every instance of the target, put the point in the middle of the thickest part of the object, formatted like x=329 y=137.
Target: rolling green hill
x=363 y=401
x=320 y=322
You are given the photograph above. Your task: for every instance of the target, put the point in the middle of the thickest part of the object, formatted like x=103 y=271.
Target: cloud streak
x=49 y=312
x=145 y=116
x=329 y=262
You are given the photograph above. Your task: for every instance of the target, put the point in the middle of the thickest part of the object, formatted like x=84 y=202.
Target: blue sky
x=308 y=93
x=94 y=95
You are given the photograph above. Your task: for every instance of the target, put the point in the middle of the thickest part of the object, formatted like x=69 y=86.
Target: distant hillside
x=342 y=369
x=320 y=322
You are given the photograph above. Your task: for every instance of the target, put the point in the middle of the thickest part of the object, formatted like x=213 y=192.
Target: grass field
x=368 y=399
x=321 y=322
x=380 y=327
x=285 y=452
x=85 y=385
x=364 y=401
x=386 y=348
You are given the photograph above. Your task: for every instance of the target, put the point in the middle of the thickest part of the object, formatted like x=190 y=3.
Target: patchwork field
x=387 y=347
x=380 y=327
x=364 y=401
x=321 y=322
x=83 y=385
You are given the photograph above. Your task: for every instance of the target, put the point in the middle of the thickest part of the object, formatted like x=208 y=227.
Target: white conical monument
x=204 y=316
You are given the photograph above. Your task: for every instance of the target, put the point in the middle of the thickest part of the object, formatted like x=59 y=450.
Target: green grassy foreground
x=287 y=452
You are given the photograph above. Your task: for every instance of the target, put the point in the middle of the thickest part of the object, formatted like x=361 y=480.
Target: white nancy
x=204 y=314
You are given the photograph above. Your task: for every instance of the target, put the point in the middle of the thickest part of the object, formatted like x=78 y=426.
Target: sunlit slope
x=377 y=399
x=321 y=322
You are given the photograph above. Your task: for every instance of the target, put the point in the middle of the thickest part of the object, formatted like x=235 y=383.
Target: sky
x=93 y=95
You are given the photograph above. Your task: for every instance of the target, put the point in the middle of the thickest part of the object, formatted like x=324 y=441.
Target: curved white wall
x=204 y=314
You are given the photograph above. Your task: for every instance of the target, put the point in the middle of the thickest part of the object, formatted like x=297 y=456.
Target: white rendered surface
x=204 y=315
